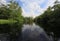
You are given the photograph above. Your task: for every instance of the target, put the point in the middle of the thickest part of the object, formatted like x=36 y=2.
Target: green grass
x=3 y=21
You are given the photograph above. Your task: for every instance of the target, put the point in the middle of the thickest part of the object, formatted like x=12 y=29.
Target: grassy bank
x=3 y=21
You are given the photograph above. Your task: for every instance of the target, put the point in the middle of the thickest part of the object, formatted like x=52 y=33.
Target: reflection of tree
x=50 y=20
x=7 y=18
x=34 y=33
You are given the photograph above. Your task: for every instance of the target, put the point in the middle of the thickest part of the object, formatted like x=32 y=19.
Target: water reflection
x=33 y=33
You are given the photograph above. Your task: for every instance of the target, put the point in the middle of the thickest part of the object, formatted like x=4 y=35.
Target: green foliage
x=28 y=20
x=11 y=19
x=16 y=12
x=2 y=21
x=50 y=20
x=4 y=14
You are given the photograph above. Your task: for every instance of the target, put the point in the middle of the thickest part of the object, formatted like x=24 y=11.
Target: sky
x=33 y=8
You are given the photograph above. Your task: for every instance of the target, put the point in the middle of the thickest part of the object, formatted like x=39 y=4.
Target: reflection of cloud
x=33 y=33
x=33 y=7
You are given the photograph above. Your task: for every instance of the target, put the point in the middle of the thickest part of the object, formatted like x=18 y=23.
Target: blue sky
x=33 y=8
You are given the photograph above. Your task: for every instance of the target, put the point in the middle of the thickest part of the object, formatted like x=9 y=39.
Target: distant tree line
x=28 y=20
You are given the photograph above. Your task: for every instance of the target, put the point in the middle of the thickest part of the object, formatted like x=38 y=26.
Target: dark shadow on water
x=27 y=32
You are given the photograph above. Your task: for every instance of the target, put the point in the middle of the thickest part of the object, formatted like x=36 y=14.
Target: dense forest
x=50 y=20
x=11 y=19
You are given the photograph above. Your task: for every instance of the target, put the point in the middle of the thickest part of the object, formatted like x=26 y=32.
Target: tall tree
x=50 y=20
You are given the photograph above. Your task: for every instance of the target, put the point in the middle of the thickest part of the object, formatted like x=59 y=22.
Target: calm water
x=34 y=33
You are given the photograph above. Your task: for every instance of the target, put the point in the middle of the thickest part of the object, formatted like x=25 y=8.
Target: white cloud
x=3 y=2
x=58 y=0
x=33 y=8
x=50 y=2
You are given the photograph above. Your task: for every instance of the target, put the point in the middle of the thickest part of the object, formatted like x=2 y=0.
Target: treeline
x=11 y=20
x=50 y=20
x=28 y=20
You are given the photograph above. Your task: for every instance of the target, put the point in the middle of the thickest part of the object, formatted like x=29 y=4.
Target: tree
x=50 y=20
x=11 y=12
x=28 y=20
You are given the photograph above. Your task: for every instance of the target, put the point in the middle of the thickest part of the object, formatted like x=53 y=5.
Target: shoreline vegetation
x=3 y=21
x=50 y=20
x=11 y=21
